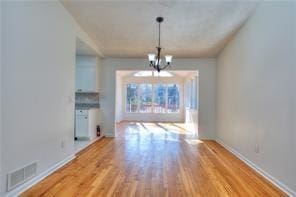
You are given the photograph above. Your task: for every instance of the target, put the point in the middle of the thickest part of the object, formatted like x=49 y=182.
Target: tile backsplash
x=87 y=99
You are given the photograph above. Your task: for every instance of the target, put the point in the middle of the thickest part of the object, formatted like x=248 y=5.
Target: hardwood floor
x=151 y=159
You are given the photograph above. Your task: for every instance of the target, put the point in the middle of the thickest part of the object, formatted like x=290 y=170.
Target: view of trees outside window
x=132 y=98
x=173 y=98
x=145 y=94
x=165 y=98
x=159 y=98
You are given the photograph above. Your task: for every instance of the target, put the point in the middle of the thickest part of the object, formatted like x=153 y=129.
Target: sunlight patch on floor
x=161 y=128
x=193 y=141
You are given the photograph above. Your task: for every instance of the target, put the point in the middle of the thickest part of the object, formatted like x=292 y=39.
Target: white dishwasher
x=81 y=125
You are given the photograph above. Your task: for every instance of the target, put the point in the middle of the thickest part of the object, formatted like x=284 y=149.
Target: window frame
x=166 y=98
x=139 y=98
x=125 y=106
x=191 y=92
x=179 y=99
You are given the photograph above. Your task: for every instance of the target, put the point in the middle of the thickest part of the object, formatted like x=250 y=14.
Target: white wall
x=207 y=74
x=99 y=73
x=256 y=91
x=1 y=96
x=38 y=82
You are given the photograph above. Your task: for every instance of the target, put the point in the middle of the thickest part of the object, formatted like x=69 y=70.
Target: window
x=188 y=94
x=131 y=97
x=145 y=92
x=194 y=93
x=173 y=98
x=159 y=98
x=191 y=93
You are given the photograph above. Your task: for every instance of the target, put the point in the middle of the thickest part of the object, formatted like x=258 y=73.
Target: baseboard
x=153 y=121
x=109 y=135
x=96 y=139
x=20 y=189
x=270 y=178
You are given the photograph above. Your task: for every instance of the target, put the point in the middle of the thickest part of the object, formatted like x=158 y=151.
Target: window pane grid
x=148 y=98
x=132 y=98
x=173 y=98
x=159 y=98
x=145 y=92
x=191 y=93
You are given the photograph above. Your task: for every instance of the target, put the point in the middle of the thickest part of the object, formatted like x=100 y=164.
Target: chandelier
x=155 y=60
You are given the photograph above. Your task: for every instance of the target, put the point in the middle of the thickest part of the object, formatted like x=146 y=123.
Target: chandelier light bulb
x=168 y=59
x=151 y=57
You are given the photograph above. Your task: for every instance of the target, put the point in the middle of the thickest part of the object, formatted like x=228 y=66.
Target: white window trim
x=125 y=99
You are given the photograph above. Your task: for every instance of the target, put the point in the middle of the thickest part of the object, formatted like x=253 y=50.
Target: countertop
x=86 y=105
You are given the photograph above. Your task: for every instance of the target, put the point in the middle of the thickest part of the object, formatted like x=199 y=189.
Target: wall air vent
x=21 y=175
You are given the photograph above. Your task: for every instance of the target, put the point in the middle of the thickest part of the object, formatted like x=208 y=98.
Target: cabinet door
x=93 y=122
x=79 y=77
x=81 y=127
x=86 y=78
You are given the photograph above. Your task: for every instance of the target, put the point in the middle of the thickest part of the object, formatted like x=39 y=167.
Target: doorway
x=165 y=97
x=86 y=96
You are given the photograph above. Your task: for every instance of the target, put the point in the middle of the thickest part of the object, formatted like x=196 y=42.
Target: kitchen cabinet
x=81 y=127
x=86 y=122
x=93 y=121
x=86 y=74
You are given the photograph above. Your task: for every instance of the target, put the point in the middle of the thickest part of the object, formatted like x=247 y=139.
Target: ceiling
x=190 y=29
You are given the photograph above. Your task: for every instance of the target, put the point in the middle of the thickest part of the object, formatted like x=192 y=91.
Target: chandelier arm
x=158 y=55
x=164 y=67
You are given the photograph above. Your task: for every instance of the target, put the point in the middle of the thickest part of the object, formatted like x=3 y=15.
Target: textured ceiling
x=190 y=29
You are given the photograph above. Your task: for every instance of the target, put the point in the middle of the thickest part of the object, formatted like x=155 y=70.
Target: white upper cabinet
x=86 y=74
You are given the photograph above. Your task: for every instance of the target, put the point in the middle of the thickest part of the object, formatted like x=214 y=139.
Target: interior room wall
x=256 y=79
x=99 y=72
x=1 y=143
x=38 y=79
x=207 y=71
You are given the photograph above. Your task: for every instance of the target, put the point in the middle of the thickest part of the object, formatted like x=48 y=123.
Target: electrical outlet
x=257 y=148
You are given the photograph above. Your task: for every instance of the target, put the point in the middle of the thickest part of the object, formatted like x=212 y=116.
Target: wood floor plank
x=154 y=159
